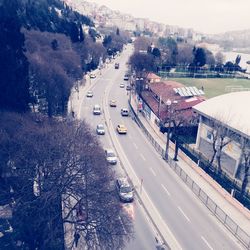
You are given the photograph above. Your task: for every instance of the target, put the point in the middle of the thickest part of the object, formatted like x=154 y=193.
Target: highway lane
x=191 y=222
x=144 y=234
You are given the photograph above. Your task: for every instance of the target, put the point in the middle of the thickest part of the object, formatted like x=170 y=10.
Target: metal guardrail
x=232 y=226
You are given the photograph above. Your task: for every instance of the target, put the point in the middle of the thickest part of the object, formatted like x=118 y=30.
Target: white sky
x=207 y=16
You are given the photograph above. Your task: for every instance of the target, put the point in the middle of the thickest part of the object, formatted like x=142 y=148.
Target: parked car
x=92 y=75
x=117 y=65
x=110 y=156
x=90 y=93
x=128 y=87
x=121 y=129
x=97 y=110
x=124 y=112
x=122 y=85
x=125 y=191
x=112 y=103
x=100 y=130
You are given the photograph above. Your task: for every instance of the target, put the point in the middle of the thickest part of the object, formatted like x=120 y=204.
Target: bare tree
x=54 y=67
x=185 y=55
x=175 y=120
x=142 y=43
x=243 y=171
x=54 y=165
x=142 y=62
x=219 y=58
x=220 y=136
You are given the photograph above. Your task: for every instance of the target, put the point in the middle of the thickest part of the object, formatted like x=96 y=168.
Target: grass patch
x=214 y=86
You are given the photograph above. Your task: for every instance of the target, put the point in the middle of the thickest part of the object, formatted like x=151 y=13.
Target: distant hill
x=104 y=16
x=233 y=39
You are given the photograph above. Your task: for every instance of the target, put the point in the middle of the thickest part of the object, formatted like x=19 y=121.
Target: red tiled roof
x=165 y=91
x=153 y=76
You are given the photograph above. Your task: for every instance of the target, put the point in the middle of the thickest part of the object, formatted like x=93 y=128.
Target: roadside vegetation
x=53 y=171
x=49 y=165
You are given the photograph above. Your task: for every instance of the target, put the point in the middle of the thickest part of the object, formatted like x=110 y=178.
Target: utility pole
x=169 y=123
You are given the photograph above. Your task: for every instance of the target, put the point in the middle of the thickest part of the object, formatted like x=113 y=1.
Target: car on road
x=110 y=156
x=124 y=112
x=121 y=129
x=124 y=189
x=112 y=103
x=128 y=87
x=92 y=75
x=90 y=93
x=97 y=109
x=126 y=77
x=122 y=85
x=100 y=130
x=117 y=65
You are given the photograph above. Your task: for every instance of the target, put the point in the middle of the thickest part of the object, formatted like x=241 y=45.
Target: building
x=158 y=97
x=225 y=120
x=151 y=78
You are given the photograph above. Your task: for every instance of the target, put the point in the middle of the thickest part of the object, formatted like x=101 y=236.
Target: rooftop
x=231 y=109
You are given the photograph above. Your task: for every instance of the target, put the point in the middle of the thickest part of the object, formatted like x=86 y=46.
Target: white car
x=110 y=156
x=90 y=93
x=124 y=112
x=92 y=75
x=97 y=110
x=125 y=191
x=122 y=85
x=100 y=129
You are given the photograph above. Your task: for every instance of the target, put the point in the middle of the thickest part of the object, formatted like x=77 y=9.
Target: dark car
x=128 y=87
x=126 y=77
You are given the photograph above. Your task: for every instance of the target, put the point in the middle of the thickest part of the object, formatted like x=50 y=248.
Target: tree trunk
x=245 y=180
x=212 y=159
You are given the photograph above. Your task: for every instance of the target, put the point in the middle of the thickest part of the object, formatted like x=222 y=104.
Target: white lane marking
x=184 y=214
x=143 y=157
x=209 y=246
x=135 y=145
x=153 y=172
x=165 y=189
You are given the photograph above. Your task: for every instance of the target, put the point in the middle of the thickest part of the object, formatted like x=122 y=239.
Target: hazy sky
x=208 y=16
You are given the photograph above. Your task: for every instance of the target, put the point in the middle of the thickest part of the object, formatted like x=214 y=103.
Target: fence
x=235 y=229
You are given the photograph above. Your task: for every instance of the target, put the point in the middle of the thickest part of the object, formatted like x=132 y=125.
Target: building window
x=209 y=136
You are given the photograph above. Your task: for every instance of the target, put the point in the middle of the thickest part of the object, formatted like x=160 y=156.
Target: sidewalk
x=235 y=213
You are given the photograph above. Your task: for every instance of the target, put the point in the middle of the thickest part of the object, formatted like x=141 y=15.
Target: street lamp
x=168 y=103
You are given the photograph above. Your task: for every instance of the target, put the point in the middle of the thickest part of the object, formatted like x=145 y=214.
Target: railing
x=232 y=226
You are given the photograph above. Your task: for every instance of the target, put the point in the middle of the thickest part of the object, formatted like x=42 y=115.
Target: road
x=191 y=223
x=144 y=234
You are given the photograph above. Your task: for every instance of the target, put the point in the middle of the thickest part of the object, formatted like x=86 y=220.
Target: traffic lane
x=165 y=206
x=182 y=222
x=144 y=235
x=184 y=199
x=207 y=225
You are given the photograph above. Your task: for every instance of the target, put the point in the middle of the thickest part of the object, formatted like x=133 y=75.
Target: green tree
x=199 y=57
x=14 y=84
x=156 y=52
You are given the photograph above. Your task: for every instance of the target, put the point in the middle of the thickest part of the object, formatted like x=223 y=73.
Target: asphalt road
x=191 y=223
x=144 y=237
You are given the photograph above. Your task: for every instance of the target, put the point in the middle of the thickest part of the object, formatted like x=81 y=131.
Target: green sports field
x=215 y=86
